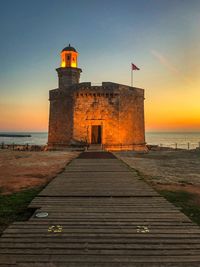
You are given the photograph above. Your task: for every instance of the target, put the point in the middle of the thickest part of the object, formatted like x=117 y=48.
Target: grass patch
x=14 y=207
x=185 y=201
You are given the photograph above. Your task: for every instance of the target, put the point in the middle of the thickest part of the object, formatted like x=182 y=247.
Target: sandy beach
x=24 y=169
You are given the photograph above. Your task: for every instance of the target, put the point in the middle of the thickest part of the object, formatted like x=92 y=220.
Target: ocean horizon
x=169 y=139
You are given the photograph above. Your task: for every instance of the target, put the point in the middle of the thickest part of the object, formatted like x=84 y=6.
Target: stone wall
x=118 y=109
x=96 y=106
x=60 y=118
x=131 y=117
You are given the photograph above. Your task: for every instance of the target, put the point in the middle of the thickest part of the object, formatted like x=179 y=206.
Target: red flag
x=134 y=67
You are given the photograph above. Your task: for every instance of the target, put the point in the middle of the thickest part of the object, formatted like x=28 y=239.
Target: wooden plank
x=109 y=264
x=126 y=228
x=115 y=223
x=103 y=258
x=104 y=252
x=112 y=216
x=104 y=235
x=103 y=240
x=137 y=246
x=139 y=221
x=82 y=231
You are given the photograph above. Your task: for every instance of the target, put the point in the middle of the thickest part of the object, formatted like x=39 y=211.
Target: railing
x=22 y=147
x=176 y=146
x=187 y=145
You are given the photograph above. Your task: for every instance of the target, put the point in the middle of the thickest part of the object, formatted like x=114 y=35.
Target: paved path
x=101 y=214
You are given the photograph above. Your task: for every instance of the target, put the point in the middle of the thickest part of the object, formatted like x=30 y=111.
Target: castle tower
x=68 y=73
x=111 y=114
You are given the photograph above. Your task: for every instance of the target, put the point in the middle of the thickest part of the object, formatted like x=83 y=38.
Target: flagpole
x=133 y=67
x=131 y=77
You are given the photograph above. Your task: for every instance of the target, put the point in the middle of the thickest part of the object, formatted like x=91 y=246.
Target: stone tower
x=68 y=73
x=110 y=114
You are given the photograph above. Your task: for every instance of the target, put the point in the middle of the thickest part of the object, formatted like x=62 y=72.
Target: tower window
x=68 y=57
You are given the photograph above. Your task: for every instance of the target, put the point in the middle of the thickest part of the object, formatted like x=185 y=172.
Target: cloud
x=173 y=69
x=165 y=62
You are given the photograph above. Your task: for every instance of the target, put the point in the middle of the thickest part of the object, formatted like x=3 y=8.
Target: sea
x=185 y=140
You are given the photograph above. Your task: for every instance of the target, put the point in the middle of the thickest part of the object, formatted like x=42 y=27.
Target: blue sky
x=160 y=36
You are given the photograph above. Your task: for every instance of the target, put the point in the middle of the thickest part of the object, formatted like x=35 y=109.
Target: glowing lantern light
x=69 y=57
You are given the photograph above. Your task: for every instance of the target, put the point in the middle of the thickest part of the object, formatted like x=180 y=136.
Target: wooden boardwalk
x=101 y=214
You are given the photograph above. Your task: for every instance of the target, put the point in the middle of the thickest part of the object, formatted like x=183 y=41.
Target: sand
x=24 y=169
x=170 y=170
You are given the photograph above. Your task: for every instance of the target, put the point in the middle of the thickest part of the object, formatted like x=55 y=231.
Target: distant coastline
x=15 y=135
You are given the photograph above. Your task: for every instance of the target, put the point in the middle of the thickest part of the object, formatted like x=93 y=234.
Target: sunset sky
x=161 y=37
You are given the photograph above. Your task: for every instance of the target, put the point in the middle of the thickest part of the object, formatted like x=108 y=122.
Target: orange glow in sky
x=160 y=37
